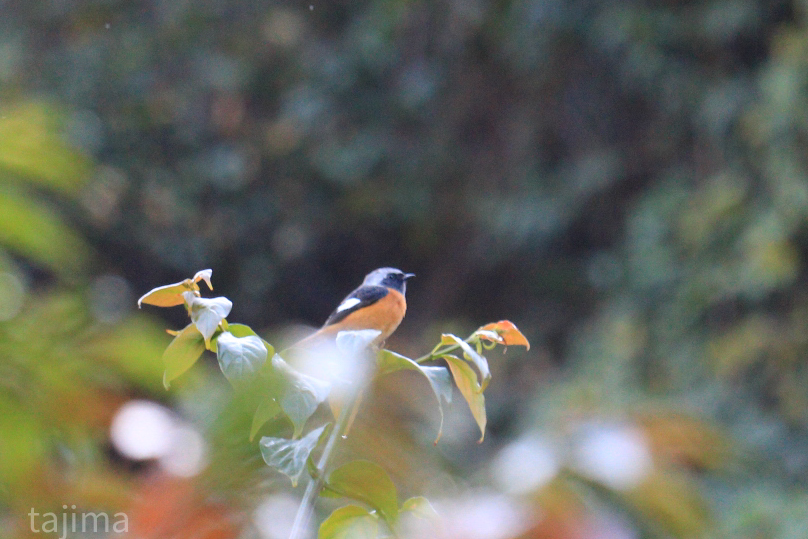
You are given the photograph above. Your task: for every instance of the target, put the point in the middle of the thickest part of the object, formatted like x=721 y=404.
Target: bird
x=379 y=303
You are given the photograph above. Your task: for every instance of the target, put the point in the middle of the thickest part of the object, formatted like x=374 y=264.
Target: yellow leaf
x=169 y=295
x=466 y=380
x=470 y=354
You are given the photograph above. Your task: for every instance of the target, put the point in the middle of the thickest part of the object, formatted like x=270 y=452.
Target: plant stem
x=435 y=354
x=306 y=508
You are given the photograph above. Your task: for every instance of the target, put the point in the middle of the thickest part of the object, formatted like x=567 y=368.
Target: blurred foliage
x=626 y=181
x=32 y=155
x=66 y=365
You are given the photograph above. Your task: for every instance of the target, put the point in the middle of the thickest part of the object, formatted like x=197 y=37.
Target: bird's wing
x=358 y=299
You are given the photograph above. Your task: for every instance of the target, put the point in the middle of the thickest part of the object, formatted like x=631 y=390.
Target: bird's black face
x=389 y=277
x=397 y=280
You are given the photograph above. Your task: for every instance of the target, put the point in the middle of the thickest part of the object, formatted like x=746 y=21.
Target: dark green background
x=625 y=181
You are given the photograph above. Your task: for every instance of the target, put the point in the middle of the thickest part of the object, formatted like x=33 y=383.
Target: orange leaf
x=503 y=332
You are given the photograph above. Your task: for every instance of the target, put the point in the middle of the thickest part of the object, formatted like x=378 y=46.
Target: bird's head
x=389 y=277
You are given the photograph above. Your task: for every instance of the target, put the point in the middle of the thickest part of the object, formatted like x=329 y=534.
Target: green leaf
x=466 y=380
x=240 y=357
x=438 y=377
x=470 y=354
x=207 y=313
x=268 y=409
x=243 y=330
x=302 y=396
x=366 y=482
x=289 y=456
x=182 y=353
x=420 y=507
x=299 y=404
x=349 y=522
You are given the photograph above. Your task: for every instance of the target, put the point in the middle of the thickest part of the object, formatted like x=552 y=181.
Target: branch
x=314 y=487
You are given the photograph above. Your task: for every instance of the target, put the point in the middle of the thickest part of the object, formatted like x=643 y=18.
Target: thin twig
x=435 y=354
x=306 y=508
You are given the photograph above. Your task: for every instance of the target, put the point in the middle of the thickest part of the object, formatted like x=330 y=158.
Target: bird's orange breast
x=384 y=315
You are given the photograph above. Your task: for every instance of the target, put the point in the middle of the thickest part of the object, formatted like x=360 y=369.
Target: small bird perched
x=379 y=304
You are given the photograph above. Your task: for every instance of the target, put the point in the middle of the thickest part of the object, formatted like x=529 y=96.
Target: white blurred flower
x=187 y=452
x=145 y=430
x=615 y=455
x=480 y=515
x=275 y=516
x=525 y=465
x=141 y=430
x=345 y=362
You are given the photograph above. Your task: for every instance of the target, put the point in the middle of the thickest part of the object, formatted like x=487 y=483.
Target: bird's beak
x=408 y=276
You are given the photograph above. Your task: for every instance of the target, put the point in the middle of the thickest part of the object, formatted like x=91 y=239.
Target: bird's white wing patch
x=348 y=303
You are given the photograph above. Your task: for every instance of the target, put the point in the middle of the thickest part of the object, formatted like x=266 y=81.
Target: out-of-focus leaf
x=366 y=482
x=30 y=147
x=32 y=230
x=470 y=354
x=673 y=502
x=420 y=507
x=20 y=442
x=240 y=356
x=503 y=332
x=350 y=522
x=466 y=380
x=207 y=313
x=134 y=347
x=438 y=377
x=302 y=396
x=182 y=353
x=268 y=409
x=744 y=344
x=289 y=456
x=686 y=440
